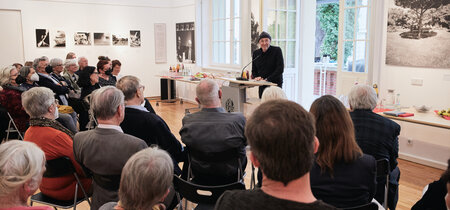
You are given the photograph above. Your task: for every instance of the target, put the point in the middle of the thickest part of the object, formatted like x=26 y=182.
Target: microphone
x=242 y=71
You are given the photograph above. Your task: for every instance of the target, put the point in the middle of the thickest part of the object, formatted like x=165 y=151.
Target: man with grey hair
x=105 y=150
x=145 y=125
x=377 y=136
x=146 y=181
x=82 y=62
x=46 y=80
x=214 y=139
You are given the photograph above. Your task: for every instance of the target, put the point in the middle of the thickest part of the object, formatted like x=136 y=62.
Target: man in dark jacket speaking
x=268 y=63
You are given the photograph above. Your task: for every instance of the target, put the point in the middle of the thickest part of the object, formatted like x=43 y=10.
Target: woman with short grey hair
x=362 y=97
x=145 y=181
x=31 y=77
x=21 y=167
x=54 y=139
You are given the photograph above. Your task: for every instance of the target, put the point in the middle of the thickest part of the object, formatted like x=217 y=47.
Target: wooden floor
x=412 y=180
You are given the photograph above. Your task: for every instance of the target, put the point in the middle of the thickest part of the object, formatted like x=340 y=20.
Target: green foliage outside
x=328 y=15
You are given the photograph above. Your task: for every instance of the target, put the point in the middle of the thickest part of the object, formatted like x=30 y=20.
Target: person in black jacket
x=88 y=82
x=342 y=175
x=141 y=123
x=437 y=194
x=268 y=62
x=376 y=136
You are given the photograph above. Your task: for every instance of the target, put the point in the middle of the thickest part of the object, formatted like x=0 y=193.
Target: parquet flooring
x=412 y=180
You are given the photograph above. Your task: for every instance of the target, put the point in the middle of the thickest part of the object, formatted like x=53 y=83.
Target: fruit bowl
x=422 y=108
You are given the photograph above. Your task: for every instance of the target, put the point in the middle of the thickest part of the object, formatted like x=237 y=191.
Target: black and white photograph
x=102 y=39
x=418 y=33
x=120 y=40
x=82 y=38
x=59 y=40
x=185 y=42
x=135 y=38
x=42 y=38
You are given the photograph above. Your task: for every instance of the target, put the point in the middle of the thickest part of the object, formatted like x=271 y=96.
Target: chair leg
x=82 y=188
x=386 y=191
x=8 y=131
x=75 y=197
x=31 y=203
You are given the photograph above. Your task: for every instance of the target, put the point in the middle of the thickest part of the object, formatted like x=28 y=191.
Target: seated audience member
x=213 y=132
x=116 y=65
x=70 y=67
x=71 y=55
x=141 y=123
x=88 y=82
x=270 y=93
x=21 y=167
x=29 y=63
x=46 y=80
x=10 y=97
x=82 y=62
x=376 y=136
x=31 y=77
x=145 y=182
x=104 y=78
x=437 y=195
x=18 y=66
x=281 y=137
x=342 y=175
x=54 y=139
x=273 y=92
x=105 y=150
x=56 y=65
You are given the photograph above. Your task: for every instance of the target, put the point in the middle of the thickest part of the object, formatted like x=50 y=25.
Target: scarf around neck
x=45 y=122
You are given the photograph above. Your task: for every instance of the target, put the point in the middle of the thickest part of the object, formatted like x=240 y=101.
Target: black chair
x=369 y=206
x=383 y=170
x=204 y=195
x=57 y=168
x=213 y=157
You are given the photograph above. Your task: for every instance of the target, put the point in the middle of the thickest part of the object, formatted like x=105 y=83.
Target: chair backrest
x=58 y=167
x=382 y=167
x=369 y=206
x=203 y=194
x=216 y=157
x=383 y=173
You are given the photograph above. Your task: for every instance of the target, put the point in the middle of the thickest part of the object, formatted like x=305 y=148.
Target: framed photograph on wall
x=42 y=38
x=135 y=38
x=102 y=39
x=120 y=40
x=185 y=42
x=82 y=38
x=418 y=33
x=59 y=40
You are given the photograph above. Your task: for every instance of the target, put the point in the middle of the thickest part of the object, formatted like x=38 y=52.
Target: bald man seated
x=214 y=139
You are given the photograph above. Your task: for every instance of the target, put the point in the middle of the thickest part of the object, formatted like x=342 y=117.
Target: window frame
x=232 y=41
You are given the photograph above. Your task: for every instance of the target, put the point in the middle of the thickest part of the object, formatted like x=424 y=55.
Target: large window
x=356 y=39
x=226 y=42
x=281 y=25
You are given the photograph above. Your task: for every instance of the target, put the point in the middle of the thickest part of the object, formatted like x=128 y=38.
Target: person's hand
x=258 y=78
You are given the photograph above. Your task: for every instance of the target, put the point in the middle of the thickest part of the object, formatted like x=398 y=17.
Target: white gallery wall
x=113 y=16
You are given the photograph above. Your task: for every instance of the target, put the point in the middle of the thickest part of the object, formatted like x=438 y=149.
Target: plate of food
x=444 y=113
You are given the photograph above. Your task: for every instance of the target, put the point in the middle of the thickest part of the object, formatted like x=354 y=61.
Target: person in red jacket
x=54 y=139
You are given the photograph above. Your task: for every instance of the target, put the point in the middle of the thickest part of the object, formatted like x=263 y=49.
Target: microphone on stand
x=242 y=71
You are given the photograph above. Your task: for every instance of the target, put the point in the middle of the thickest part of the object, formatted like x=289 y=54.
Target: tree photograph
x=418 y=33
